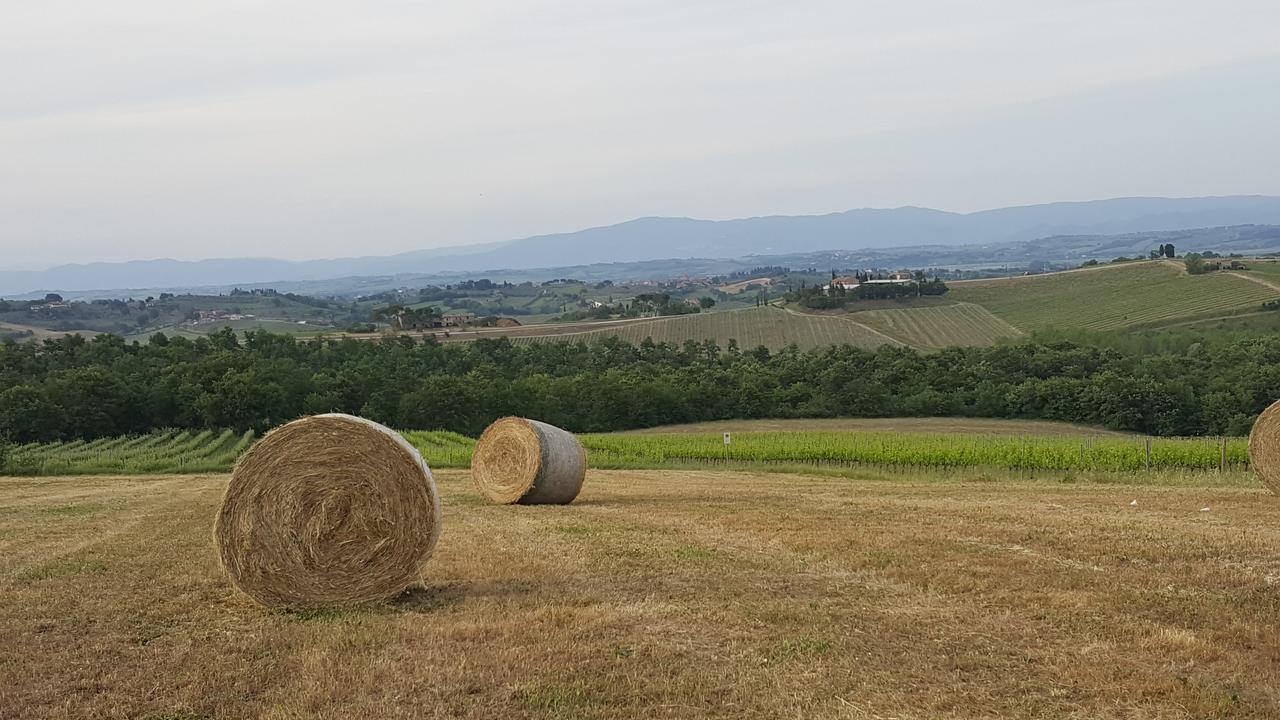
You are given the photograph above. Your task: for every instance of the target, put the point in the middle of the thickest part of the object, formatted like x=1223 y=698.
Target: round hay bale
x=1264 y=447
x=328 y=511
x=529 y=462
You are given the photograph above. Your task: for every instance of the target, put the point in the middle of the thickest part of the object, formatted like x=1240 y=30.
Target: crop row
x=441 y=448
x=210 y=451
x=923 y=449
x=159 y=452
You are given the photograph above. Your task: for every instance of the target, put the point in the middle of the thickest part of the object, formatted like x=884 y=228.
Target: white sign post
x=726 y=438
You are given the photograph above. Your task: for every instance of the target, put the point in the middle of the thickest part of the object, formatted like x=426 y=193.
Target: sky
x=150 y=128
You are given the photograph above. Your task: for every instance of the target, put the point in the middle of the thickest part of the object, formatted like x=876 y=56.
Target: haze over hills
x=656 y=238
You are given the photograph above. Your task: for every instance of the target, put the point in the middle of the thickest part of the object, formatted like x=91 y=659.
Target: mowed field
x=667 y=595
x=933 y=328
x=767 y=326
x=1113 y=297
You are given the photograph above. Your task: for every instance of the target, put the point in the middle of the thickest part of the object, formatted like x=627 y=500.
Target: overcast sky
x=317 y=128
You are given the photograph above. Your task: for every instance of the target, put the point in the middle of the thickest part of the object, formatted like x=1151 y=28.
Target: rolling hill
x=933 y=328
x=655 y=238
x=772 y=327
x=979 y=313
x=1112 y=297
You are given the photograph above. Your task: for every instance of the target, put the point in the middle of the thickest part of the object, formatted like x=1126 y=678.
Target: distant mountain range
x=655 y=238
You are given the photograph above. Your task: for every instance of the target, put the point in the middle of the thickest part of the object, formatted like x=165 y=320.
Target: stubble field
x=668 y=594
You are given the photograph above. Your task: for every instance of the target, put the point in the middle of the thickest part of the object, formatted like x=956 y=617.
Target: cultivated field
x=745 y=285
x=166 y=451
x=938 y=443
x=933 y=328
x=917 y=450
x=667 y=595
x=36 y=333
x=946 y=425
x=1139 y=294
x=768 y=326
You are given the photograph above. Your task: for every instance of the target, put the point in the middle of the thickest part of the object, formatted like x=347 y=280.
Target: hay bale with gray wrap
x=524 y=461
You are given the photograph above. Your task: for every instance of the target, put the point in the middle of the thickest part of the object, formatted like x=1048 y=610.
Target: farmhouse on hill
x=457 y=319
x=847 y=282
x=898 y=278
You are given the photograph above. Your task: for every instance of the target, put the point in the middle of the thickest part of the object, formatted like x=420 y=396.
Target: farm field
x=37 y=333
x=1252 y=323
x=667 y=595
x=913 y=450
x=933 y=328
x=743 y=286
x=973 y=426
x=983 y=444
x=1113 y=297
x=167 y=451
x=1265 y=269
x=768 y=326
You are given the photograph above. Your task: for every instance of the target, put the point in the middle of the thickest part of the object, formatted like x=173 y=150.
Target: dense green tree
x=78 y=388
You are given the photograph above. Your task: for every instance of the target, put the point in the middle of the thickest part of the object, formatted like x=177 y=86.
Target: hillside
x=972 y=314
x=772 y=327
x=932 y=328
x=1112 y=297
x=189 y=315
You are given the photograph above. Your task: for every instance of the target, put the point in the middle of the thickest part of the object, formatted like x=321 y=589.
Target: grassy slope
x=771 y=327
x=1113 y=297
x=667 y=594
x=930 y=328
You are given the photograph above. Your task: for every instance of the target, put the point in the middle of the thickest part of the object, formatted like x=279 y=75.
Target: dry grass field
x=668 y=595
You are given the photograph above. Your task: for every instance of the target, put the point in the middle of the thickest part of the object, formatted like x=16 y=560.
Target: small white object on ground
x=1133 y=504
x=1204 y=509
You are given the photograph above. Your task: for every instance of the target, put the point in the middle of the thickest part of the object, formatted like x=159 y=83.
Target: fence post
x=1148 y=454
x=1222 y=463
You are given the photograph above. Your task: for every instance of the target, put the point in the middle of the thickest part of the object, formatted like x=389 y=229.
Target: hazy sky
x=153 y=128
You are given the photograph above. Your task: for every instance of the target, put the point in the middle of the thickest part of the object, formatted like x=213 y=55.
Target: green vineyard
x=161 y=452
x=753 y=327
x=441 y=448
x=208 y=451
x=923 y=450
x=1113 y=297
x=933 y=328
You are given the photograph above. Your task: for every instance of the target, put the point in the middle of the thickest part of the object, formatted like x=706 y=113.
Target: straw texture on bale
x=328 y=511
x=1264 y=447
x=529 y=462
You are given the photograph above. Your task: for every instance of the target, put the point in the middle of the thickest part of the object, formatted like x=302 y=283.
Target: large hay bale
x=328 y=511
x=1264 y=447
x=529 y=462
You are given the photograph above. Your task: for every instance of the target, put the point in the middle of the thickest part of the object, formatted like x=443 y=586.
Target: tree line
x=85 y=388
